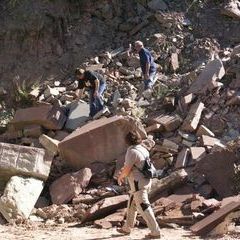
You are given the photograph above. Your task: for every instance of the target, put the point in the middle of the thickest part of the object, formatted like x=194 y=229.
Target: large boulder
x=19 y=197
x=102 y=140
x=69 y=186
x=22 y=160
x=48 y=116
x=207 y=80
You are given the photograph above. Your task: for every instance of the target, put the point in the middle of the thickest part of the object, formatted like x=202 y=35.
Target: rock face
x=102 y=140
x=207 y=80
x=19 y=197
x=28 y=161
x=78 y=115
x=47 y=116
x=69 y=186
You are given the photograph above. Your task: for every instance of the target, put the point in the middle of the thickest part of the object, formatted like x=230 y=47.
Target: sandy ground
x=88 y=233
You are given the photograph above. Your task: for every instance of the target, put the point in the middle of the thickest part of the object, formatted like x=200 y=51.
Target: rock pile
x=190 y=123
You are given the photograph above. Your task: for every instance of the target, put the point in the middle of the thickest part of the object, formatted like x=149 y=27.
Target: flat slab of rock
x=191 y=122
x=19 y=197
x=78 y=115
x=218 y=168
x=207 y=80
x=169 y=122
x=69 y=186
x=207 y=224
x=105 y=207
x=102 y=140
x=112 y=220
x=48 y=116
x=21 y=160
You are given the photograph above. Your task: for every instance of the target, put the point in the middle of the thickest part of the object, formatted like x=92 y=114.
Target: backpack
x=148 y=169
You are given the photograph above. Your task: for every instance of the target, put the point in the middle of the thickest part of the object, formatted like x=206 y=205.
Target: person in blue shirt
x=148 y=66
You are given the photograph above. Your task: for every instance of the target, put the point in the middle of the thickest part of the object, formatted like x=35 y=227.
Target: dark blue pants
x=96 y=103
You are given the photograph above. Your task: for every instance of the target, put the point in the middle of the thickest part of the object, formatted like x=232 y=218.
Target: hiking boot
x=151 y=236
x=123 y=231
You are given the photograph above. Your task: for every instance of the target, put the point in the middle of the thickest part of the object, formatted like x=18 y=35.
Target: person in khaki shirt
x=139 y=187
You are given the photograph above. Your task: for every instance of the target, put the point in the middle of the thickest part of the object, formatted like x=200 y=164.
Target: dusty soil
x=71 y=232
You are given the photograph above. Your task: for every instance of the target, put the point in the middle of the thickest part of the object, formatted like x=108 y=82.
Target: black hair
x=79 y=71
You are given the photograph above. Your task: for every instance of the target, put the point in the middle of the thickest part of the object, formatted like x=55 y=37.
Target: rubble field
x=59 y=168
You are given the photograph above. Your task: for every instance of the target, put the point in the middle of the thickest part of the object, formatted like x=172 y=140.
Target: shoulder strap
x=142 y=155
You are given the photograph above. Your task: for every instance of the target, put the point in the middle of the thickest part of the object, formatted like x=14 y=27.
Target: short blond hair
x=138 y=43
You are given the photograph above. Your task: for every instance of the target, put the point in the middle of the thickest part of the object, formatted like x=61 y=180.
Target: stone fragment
x=174 y=62
x=105 y=207
x=202 y=130
x=218 y=169
x=35 y=93
x=47 y=116
x=209 y=141
x=218 y=147
x=186 y=100
x=170 y=122
x=112 y=220
x=78 y=114
x=197 y=152
x=207 y=224
x=191 y=122
x=95 y=141
x=154 y=128
x=21 y=160
x=212 y=202
x=182 y=158
x=157 y=5
x=32 y=131
x=232 y=9
x=50 y=92
x=187 y=143
x=49 y=143
x=170 y=144
x=69 y=186
x=19 y=197
x=207 y=80
x=95 y=67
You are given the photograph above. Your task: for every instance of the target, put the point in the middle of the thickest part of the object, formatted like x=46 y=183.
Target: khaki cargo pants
x=139 y=202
